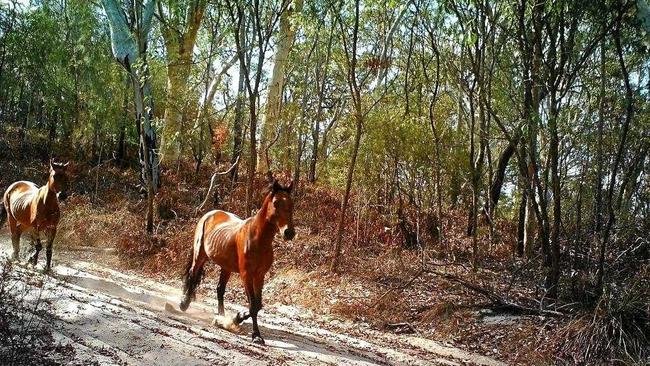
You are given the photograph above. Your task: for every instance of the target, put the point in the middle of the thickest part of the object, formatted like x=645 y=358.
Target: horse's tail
x=3 y=214
x=192 y=276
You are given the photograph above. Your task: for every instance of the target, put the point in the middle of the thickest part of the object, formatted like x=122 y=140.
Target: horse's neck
x=46 y=193
x=264 y=230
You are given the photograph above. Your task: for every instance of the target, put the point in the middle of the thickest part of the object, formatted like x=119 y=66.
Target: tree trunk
x=129 y=44
x=121 y=144
x=554 y=275
x=174 y=133
x=321 y=80
x=315 y=134
x=276 y=84
x=521 y=224
x=238 y=124
x=499 y=176
x=179 y=47
x=348 y=186
x=577 y=241
x=301 y=125
x=355 y=93
x=618 y=159
x=252 y=159
x=147 y=140
x=598 y=199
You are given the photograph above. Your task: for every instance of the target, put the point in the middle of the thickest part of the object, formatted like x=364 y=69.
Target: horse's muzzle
x=289 y=233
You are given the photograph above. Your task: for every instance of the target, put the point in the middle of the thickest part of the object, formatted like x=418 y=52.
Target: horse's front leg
x=51 y=233
x=256 y=306
x=253 y=307
x=36 y=241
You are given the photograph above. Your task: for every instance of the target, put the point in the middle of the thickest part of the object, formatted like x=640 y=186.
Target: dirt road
x=113 y=318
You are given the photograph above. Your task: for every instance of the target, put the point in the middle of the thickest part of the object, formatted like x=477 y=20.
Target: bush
x=618 y=329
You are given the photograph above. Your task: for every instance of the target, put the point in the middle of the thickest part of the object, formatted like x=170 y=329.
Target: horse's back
x=18 y=198
x=21 y=187
x=219 y=231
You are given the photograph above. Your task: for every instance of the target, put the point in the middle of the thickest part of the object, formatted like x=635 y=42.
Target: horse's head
x=280 y=209
x=58 y=180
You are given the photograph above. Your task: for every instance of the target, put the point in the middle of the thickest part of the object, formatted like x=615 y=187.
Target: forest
x=473 y=172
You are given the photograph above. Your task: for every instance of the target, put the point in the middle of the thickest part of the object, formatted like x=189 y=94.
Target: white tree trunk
x=179 y=47
x=272 y=114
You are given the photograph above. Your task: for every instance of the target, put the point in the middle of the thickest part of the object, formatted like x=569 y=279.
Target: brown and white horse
x=33 y=209
x=240 y=246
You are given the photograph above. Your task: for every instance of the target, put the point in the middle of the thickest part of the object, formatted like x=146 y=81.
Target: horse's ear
x=276 y=186
x=269 y=177
x=290 y=186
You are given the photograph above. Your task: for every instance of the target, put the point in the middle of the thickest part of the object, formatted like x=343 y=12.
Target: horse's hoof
x=184 y=305
x=258 y=340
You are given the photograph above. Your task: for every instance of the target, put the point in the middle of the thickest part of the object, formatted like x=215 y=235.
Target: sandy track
x=111 y=318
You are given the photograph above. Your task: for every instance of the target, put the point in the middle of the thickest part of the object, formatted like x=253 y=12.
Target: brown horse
x=241 y=246
x=29 y=208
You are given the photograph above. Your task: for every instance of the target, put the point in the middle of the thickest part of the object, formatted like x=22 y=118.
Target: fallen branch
x=498 y=302
x=213 y=181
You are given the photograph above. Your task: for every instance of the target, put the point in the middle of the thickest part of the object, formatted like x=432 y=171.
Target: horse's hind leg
x=36 y=241
x=15 y=237
x=248 y=288
x=221 y=289
x=192 y=278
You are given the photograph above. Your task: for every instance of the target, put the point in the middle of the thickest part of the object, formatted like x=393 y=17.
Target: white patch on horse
x=247 y=246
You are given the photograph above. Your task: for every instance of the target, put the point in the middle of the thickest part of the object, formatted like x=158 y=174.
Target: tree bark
x=321 y=79
x=121 y=145
x=554 y=275
x=355 y=93
x=276 y=84
x=521 y=224
x=618 y=159
x=129 y=43
x=179 y=46
x=348 y=186
x=238 y=124
x=499 y=177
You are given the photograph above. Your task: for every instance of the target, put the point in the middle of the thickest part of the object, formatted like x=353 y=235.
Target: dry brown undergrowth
x=105 y=211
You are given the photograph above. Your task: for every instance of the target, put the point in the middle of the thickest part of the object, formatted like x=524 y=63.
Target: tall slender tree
x=129 y=39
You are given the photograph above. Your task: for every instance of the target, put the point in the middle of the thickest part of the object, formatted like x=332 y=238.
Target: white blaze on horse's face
x=282 y=213
x=58 y=180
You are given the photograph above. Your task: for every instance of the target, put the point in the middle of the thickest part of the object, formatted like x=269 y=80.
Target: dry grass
x=618 y=329
x=374 y=285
